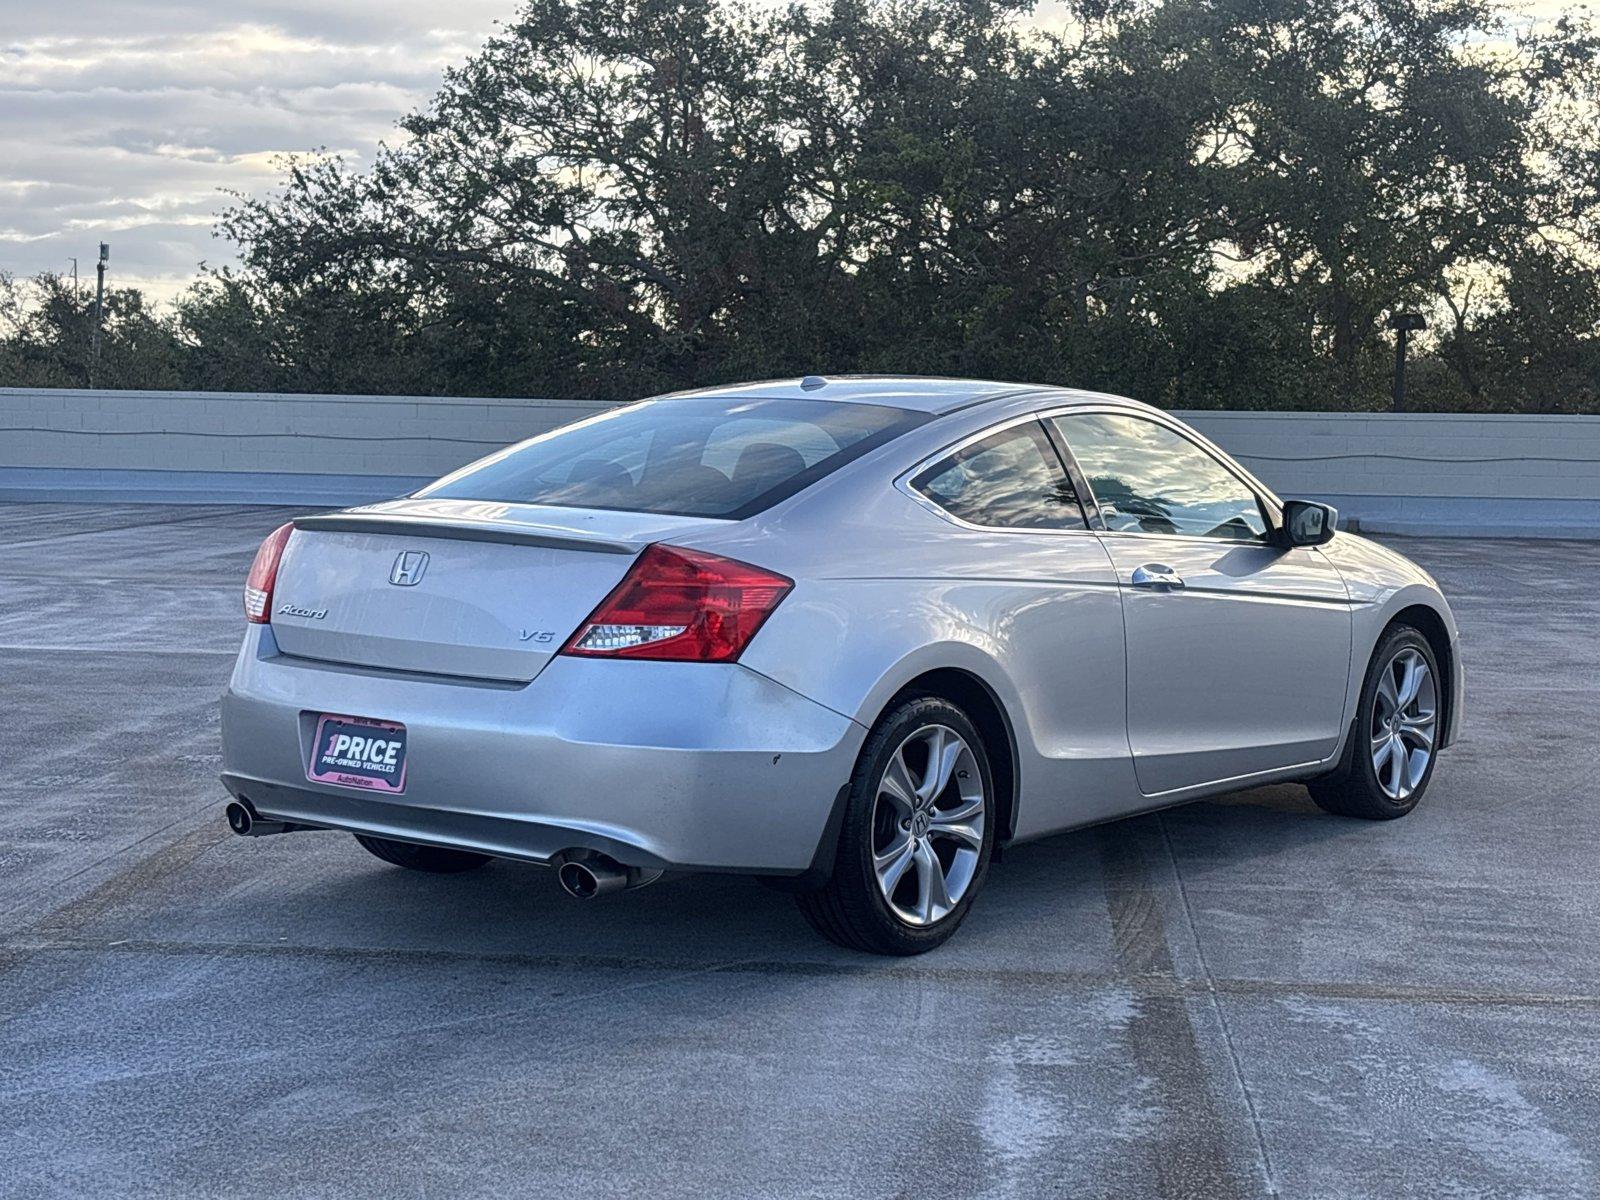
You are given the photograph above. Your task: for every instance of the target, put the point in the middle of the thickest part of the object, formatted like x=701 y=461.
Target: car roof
x=918 y=393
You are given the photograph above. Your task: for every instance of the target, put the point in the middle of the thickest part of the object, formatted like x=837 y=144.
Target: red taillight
x=682 y=605
x=263 y=574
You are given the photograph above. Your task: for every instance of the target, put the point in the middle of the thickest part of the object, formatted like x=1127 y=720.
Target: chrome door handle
x=1157 y=577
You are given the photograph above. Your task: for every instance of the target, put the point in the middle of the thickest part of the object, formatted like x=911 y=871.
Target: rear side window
x=1010 y=480
x=695 y=456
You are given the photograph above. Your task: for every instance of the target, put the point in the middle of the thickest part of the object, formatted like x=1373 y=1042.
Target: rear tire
x=917 y=835
x=1395 y=739
x=436 y=860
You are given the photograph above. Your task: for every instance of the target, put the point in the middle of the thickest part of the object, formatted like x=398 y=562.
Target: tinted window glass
x=1148 y=479
x=1012 y=479
x=696 y=456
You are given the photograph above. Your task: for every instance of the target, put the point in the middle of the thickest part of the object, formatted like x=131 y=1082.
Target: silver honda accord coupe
x=850 y=634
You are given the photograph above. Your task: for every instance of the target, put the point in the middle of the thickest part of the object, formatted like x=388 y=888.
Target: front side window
x=1010 y=480
x=1147 y=478
x=690 y=456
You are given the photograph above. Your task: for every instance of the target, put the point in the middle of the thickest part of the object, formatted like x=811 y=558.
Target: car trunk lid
x=454 y=587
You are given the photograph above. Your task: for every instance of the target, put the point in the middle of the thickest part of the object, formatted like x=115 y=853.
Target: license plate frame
x=357 y=762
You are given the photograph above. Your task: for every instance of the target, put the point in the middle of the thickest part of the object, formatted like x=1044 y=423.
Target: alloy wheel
x=928 y=825
x=1405 y=717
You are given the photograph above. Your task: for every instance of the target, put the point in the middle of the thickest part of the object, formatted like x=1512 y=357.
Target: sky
x=123 y=120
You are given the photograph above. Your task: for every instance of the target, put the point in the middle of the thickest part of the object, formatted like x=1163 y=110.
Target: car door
x=1238 y=651
x=1026 y=574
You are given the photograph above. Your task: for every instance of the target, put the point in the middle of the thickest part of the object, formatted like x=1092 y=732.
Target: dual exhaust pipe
x=583 y=874
x=242 y=819
x=588 y=874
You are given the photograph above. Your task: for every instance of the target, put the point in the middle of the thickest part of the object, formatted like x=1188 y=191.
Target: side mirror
x=1306 y=523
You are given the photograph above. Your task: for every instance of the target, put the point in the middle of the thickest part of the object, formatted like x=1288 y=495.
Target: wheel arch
x=974 y=696
x=1432 y=625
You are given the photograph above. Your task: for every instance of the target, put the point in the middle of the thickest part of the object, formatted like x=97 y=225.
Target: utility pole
x=99 y=304
x=1403 y=324
x=74 y=263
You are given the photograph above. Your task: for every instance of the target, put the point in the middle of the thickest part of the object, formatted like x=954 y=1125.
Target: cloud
x=124 y=120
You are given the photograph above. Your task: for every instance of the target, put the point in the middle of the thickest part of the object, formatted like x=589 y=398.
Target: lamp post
x=99 y=303
x=1403 y=325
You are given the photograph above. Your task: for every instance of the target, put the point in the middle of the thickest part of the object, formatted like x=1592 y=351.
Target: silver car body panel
x=1244 y=670
x=919 y=393
x=1383 y=584
x=660 y=763
x=1116 y=699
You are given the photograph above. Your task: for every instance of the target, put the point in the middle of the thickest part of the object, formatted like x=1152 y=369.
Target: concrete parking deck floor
x=1235 y=999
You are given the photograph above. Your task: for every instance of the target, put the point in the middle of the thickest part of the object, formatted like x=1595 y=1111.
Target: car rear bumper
x=673 y=765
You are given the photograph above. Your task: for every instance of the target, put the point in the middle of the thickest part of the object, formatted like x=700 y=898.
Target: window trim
x=1087 y=500
x=1272 y=507
x=905 y=482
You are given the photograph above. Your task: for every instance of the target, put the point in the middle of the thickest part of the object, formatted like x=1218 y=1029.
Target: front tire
x=436 y=860
x=1395 y=739
x=917 y=835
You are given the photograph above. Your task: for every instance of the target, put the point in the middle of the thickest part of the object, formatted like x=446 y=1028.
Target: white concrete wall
x=302 y=434
x=227 y=447
x=1427 y=472
x=1405 y=473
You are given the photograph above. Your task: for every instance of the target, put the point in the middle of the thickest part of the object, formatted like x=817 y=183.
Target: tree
x=624 y=169
x=48 y=330
x=1376 y=145
x=1197 y=202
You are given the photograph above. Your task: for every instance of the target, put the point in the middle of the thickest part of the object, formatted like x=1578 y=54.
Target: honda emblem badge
x=408 y=568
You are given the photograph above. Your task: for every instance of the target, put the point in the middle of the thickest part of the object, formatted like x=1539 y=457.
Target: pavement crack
x=1191 y=1152
x=1216 y=1006
x=16 y=947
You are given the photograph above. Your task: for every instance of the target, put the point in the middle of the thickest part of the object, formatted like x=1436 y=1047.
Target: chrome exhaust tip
x=242 y=819
x=584 y=879
x=586 y=874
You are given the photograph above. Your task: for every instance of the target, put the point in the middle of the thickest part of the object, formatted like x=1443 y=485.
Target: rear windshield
x=698 y=456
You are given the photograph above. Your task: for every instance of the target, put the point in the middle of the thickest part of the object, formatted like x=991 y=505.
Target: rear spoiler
x=463 y=531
